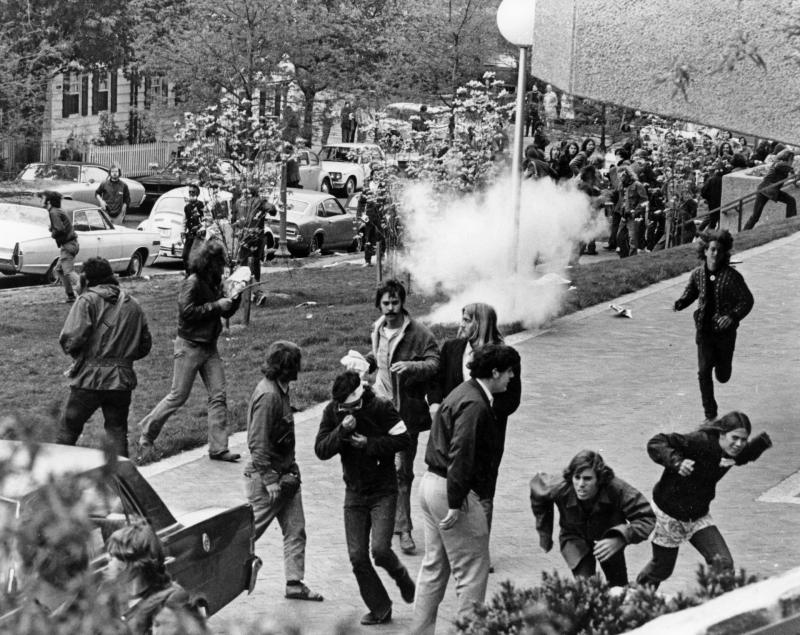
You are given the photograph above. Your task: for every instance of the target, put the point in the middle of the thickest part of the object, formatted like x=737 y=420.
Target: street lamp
x=515 y=19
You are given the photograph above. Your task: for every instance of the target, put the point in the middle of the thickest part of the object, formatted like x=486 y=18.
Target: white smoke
x=464 y=248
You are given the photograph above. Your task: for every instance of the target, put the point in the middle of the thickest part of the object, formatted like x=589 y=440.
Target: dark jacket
x=61 y=226
x=618 y=510
x=688 y=497
x=415 y=344
x=193 y=213
x=115 y=194
x=105 y=331
x=199 y=311
x=777 y=172
x=505 y=403
x=367 y=470
x=731 y=296
x=270 y=432
x=460 y=445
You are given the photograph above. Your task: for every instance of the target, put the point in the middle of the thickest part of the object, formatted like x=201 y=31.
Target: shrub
x=588 y=606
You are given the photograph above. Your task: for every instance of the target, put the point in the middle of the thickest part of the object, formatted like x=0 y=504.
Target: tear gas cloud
x=464 y=248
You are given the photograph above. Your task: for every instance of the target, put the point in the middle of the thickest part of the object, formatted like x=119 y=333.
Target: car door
x=107 y=239
x=339 y=228
x=310 y=169
x=88 y=241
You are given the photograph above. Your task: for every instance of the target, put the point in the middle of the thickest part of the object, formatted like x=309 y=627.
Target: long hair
x=722 y=237
x=282 y=361
x=589 y=459
x=486 y=331
x=734 y=420
x=203 y=259
x=138 y=546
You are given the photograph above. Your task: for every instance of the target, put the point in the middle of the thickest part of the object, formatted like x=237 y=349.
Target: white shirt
x=485 y=389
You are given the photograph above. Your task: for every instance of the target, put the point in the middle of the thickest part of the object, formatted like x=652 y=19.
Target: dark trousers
x=372 y=236
x=615 y=569
x=614 y=229
x=714 y=354
x=709 y=542
x=761 y=201
x=404 y=462
x=368 y=527
x=187 y=249
x=82 y=404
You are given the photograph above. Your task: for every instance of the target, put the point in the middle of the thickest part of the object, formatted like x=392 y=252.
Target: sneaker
x=370 y=619
x=407 y=545
x=407 y=587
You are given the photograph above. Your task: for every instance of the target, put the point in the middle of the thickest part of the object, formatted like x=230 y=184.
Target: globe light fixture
x=515 y=20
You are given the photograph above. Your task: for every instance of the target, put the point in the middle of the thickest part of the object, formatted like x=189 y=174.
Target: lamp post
x=284 y=76
x=515 y=19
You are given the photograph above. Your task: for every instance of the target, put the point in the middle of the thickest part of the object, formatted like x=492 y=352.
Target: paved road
x=591 y=380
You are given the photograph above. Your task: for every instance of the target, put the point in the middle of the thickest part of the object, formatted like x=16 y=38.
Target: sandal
x=227 y=455
x=302 y=592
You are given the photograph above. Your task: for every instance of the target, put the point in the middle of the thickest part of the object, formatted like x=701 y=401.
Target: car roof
x=25 y=198
x=50 y=462
x=306 y=195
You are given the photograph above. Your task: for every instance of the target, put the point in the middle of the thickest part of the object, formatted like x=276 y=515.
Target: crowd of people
x=462 y=390
x=655 y=183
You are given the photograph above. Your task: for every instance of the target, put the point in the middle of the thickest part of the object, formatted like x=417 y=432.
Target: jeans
x=709 y=542
x=462 y=549
x=761 y=201
x=291 y=518
x=628 y=236
x=192 y=358
x=65 y=268
x=714 y=353
x=616 y=218
x=368 y=523
x=404 y=462
x=614 y=568
x=82 y=403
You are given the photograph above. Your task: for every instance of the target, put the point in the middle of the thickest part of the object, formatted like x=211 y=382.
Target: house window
x=99 y=92
x=70 y=95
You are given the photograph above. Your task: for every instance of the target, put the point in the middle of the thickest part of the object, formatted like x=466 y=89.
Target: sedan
x=210 y=552
x=76 y=181
x=349 y=164
x=27 y=247
x=316 y=222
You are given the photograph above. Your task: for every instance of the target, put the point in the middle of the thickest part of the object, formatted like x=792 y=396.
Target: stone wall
x=615 y=50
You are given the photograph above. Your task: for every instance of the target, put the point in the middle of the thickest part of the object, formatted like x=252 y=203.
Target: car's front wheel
x=136 y=265
x=326 y=186
x=350 y=186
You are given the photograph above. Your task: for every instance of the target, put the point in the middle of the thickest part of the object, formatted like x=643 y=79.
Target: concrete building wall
x=615 y=50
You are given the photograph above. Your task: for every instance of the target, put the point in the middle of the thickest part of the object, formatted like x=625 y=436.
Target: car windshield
x=339 y=153
x=24 y=214
x=50 y=171
x=170 y=205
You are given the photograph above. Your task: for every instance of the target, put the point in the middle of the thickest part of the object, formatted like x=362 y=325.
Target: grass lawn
x=34 y=388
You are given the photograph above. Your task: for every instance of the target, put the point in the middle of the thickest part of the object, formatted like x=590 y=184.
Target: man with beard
x=113 y=195
x=201 y=305
x=272 y=477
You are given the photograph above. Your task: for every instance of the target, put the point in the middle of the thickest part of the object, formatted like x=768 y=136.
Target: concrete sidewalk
x=590 y=380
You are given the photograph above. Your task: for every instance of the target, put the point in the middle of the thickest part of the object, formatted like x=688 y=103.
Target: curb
x=239 y=439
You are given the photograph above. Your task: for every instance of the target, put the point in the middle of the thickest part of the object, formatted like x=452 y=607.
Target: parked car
x=167 y=219
x=77 y=181
x=210 y=552
x=27 y=247
x=349 y=164
x=162 y=180
x=315 y=222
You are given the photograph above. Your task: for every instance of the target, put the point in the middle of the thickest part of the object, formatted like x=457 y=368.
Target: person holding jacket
x=405 y=358
x=366 y=432
x=693 y=465
x=66 y=240
x=272 y=476
x=105 y=332
x=201 y=306
x=478 y=328
x=599 y=515
x=723 y=302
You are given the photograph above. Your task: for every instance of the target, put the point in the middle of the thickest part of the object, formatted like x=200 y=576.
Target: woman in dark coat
x=478 y=328
x=599 y=515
